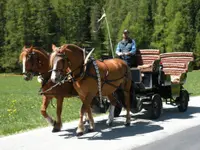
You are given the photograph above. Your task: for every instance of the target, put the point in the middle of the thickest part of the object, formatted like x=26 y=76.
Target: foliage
x=167 y=25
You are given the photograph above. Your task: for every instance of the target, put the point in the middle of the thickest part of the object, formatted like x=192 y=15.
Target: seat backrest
x=176 y=63
x=148 y=60
x=147 y=56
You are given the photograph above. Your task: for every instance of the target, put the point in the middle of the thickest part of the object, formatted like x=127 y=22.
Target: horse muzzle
x=28 y=76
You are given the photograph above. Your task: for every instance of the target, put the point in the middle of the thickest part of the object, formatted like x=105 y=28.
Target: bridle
x=68 y=76
x=82 y=67
x=35 y=63
x=30 y=57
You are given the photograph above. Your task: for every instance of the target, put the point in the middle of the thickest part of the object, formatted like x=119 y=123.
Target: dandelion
x=9 y=110
x=14 y=101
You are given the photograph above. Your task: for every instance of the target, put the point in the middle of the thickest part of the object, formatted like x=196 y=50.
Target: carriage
x=157 y=78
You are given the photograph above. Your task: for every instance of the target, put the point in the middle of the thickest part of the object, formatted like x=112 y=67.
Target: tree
x=16 y=14
x=160 y=19
x=144 y=24
x=178 y=29
x=97 y=36
x=2 y=24
x=43 y=21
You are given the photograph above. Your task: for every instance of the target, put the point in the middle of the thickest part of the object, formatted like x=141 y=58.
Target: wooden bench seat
x=176 y=65
x=148 y=60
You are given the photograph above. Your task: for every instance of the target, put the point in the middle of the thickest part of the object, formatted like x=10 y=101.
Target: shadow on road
x=116 y=131
x=134 y=129
x=140 y=125
x=171 y=113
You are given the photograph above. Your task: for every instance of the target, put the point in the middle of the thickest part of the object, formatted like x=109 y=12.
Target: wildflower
x=9 y=110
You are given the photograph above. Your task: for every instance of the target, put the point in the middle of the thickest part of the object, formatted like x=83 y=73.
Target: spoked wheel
x=117 y=111
x=156 y=107
x=183 y=101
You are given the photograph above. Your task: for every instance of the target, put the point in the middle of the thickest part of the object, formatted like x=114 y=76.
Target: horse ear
x=31 y=48
x=24 y=47
x=53 y=47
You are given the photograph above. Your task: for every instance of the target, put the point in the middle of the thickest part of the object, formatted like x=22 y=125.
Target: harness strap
x=98 y=81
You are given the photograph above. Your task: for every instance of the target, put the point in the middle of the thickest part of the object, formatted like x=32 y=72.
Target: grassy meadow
x=20 y=103
x=193 y=83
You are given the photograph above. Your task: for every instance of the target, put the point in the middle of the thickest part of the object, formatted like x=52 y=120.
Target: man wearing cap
x=126 y=49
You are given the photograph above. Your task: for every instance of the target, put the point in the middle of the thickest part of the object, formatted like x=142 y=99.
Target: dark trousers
x=130 y=62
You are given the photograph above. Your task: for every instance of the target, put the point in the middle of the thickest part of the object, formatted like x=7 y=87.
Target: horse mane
x=41 y=51
x=71 y=47
x=36 y=49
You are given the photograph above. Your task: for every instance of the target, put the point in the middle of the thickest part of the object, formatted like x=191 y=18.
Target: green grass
x=20 y=103
x=193 y=83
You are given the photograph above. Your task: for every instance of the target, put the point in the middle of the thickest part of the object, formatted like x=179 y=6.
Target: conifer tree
x=160 y=19
x=16 y=14
x=2 y=23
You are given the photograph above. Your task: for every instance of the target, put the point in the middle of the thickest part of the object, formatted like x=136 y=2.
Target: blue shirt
x=125 y=46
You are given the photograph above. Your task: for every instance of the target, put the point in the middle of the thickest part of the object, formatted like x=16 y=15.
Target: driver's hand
x=128 y=53
x=119 y=53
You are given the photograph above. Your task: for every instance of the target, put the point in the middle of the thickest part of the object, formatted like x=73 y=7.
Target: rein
x=49 y=89
x=68 y=77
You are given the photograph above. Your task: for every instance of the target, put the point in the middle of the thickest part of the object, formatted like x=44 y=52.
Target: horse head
x=66 y=59
x=58 y=63
x=34 y=62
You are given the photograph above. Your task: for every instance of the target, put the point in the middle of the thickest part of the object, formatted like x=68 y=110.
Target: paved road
x=141 y=132
x=186 y=140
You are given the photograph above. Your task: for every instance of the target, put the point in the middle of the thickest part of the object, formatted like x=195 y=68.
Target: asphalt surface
x=142 y=132
x=186 y=140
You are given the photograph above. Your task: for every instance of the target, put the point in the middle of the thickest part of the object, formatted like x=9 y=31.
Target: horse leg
x=86 y=119
x=45 y=103
x=81 y=128
x=111 y=110
x=127 y=101
x=91 y=120
x=87 y=104
x=58 y=124
x=85 y=108
x=111 y=115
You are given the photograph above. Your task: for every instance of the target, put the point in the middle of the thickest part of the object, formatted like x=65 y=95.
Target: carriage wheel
x=156 y=107
x=183 y=101
x=117 y=111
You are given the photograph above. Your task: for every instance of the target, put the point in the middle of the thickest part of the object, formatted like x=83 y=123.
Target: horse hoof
x=55 y=130
x=90 y=130
x=109 y=124
x=79 y=134
x=127 y=124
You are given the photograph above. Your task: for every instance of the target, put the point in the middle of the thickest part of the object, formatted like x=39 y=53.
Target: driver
x=126 y=49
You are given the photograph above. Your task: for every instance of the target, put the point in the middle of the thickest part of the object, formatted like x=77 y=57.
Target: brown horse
x=114 y=73
x=36 y=62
